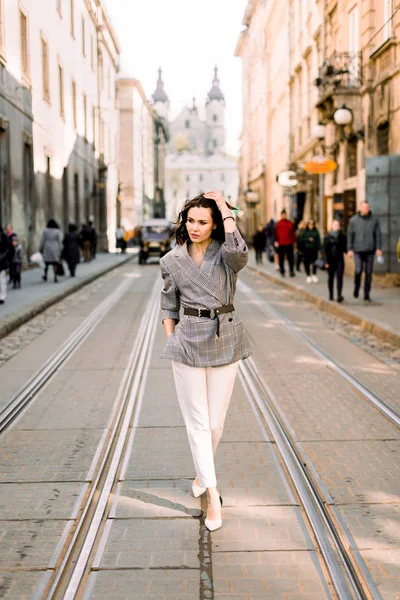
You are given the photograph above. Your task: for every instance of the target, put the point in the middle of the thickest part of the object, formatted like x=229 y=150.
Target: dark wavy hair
x=181 y=233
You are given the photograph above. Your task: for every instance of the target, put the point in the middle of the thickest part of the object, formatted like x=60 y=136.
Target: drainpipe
x=289 y=23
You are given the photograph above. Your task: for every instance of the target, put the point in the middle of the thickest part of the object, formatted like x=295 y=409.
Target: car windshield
x=157 y=229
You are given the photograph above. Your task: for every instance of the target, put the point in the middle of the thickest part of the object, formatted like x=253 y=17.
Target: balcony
x=340 y=74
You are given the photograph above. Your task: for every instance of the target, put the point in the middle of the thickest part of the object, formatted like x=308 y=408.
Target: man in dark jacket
x=285 y=237
x=259 y=241
x=364 y=241
x=6 y=252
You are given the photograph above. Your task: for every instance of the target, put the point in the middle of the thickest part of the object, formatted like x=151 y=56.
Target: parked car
x=156 y=236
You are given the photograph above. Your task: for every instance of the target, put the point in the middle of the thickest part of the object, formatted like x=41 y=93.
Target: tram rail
x=344 y=573
x=30 y=390
x=68 y=579
x=381 y=405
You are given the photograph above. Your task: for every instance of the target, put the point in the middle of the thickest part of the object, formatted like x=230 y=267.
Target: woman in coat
x=311 y=243
x=71 y=248
x=50 y=247
x=335 y=247
x=206 y=342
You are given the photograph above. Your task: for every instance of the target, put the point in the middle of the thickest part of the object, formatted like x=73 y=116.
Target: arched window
x=187 y=124
x=215 y=118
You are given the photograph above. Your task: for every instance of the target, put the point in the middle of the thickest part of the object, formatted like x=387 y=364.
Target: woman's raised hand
x=218 y=198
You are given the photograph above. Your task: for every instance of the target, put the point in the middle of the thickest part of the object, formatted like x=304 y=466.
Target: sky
x=186 y=38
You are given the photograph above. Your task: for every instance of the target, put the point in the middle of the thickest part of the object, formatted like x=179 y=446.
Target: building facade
x=63 y=61
x=319 y=57
x=142 y=147
x=196 y=160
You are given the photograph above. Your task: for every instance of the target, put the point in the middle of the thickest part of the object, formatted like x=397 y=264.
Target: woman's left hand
x=217 y=197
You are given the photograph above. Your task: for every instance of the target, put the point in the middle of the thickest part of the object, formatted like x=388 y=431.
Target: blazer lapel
x=201 y=277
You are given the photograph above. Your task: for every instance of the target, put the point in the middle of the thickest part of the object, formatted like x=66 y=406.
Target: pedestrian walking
x=300 y=245
x=312 y=244
x=86 y=239
x=259 y=241
x=71 y=248
x=93 y=240
x=9 y=230
x=285 y=238
x=6 y=253
x=270 y=239
x=335 y=247
x=50 y=247
x=206 y=343
x=120 y=238
x=364 y=241
x=16 y=262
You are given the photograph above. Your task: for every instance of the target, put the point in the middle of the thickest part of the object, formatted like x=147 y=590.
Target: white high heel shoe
x=197 y=490
x=213 y=524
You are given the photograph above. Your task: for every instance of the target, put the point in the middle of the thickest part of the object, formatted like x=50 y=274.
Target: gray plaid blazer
x=213 y=284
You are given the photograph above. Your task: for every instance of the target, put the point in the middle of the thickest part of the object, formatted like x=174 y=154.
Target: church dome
x=160 y=94
x=215 y=92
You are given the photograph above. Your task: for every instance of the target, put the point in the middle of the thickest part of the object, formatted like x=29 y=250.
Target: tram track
x=349 y=576
x=381 y=405
x=76 y=558
x=29 y=391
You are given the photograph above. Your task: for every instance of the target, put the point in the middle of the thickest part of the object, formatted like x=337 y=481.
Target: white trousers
x=3 y=285
x=204 y=395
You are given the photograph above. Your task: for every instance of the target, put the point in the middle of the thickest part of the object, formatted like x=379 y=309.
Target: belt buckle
x=213 y=314
x=199 y=312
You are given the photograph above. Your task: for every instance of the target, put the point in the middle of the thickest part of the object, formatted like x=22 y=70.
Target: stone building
x=142 y=146
x=58 y=108
x=196 y=160
x=318 y=57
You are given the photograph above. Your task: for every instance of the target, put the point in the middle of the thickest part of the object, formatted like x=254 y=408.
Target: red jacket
x=285 y=233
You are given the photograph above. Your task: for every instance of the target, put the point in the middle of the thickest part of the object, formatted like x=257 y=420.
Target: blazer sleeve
x=170 y=297
x=235 y=251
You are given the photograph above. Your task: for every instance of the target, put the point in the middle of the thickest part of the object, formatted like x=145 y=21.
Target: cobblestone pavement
x=153 y=543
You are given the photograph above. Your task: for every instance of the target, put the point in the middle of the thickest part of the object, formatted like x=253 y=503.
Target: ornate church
x=196 y=160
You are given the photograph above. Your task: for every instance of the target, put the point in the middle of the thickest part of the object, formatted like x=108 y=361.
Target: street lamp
x=319 y=131
x=343 y=116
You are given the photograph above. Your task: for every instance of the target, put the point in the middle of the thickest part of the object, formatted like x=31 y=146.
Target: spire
x=160 y=95
x=194 y=107
x=215 y=92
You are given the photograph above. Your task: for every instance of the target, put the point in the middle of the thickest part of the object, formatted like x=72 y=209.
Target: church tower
x=215 y=117
x=160 y=98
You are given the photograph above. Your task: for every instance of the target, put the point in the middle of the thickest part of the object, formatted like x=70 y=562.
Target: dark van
x=156 y=239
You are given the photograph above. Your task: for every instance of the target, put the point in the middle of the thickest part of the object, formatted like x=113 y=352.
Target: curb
x=14 y=321
x=335 y=309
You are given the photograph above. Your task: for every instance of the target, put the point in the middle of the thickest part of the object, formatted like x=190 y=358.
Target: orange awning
x=319 y=165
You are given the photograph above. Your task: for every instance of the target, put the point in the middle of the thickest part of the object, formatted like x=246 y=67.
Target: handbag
x=320 y=264
x=60 y=269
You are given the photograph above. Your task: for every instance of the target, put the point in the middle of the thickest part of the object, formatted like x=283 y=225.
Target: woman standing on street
x=71 y=248
x=50 y=247
x=311 y=245
x=200 y=274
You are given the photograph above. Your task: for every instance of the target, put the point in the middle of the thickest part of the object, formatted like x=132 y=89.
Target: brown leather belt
x=209 y=313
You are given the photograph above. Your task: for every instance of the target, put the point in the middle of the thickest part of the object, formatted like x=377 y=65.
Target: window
x=214 y=143
x=92 y=53
x=2 y=45
x=353 y=46
x=24 y=45
x=215 y=118
x=200 y=177
x=382 y=139
x=59 y=7
x=74 y=113
x=72 y=16
x=61 y=90
x=45 y=71
x=387 y=18
x=187 y=124
x=187 y=177
x=83 y=37
x=85 y=115
x=94 y=125
x=222 y=177
x=101 y=71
